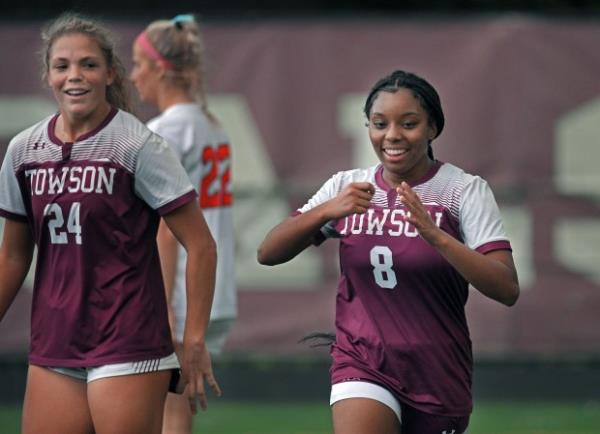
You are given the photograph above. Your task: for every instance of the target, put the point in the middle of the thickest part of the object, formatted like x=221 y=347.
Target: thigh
x=129 y=404
x=363 y=416
x=55 y=404
x=178 y=418
x=417 y=422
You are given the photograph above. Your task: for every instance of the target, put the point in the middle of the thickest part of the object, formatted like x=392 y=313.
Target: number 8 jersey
x=93 y=207
x=400 y=319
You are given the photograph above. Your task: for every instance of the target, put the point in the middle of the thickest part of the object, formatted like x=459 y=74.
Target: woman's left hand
x=197 y=368
x=417 y=213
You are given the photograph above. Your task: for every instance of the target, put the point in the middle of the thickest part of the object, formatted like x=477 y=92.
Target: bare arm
x=493 y=274
x=293 y=235
x=16 y=252
x=189 y=227
x=167 y=248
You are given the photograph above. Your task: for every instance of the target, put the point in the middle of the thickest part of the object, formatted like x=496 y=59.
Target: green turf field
x=313 y=418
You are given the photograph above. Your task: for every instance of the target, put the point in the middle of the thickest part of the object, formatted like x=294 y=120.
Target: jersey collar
x=381 y=183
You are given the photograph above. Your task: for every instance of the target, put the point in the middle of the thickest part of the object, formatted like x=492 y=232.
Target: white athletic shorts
x=169 y=362
x=364 y=389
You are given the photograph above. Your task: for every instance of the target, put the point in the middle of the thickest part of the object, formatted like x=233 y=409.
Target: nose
x=74 y=73
x=394 y=133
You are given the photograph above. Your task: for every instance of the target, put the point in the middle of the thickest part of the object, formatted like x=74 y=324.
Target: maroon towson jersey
x=93 y=207
x=400 y=318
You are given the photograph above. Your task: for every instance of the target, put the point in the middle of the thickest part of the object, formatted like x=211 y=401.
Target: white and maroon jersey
x=93 y=207
x=400 y=319
x=204 y=150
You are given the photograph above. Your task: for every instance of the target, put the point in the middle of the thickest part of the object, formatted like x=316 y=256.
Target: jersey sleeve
x=171 y=133
x=160 y=179
x=11 y=200
x=480 y=220
x=183 y=137
x=328 y=191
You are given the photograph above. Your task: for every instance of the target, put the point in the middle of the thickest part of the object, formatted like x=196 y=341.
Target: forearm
x=492 y=274
x=200 y=283
x=292 y=236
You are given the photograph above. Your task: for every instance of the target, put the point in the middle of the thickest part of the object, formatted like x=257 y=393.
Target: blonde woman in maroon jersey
x=88 y=186
x=414 y=233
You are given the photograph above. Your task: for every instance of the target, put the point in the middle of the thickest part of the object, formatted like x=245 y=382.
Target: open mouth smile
x=76 y=92
x=394 y=152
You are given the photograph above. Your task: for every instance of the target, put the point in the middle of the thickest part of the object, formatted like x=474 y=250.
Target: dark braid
x=420 y=88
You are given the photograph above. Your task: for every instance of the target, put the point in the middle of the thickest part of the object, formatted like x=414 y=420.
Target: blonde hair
x=180 y=43
x=117 y=94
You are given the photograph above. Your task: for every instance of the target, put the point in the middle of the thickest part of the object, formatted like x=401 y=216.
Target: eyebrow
x=403 y=114
x=83 y=59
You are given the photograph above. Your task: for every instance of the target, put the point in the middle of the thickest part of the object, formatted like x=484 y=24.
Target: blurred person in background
x=88 y=186
x=168 y=72
x=414 y=233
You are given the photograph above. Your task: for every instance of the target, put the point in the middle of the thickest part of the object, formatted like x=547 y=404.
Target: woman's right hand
x=295 y=234
x=355 y=198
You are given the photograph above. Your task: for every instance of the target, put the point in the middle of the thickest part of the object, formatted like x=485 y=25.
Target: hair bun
x=179 y=20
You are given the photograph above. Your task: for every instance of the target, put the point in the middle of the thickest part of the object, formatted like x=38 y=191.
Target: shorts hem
x=365 y=389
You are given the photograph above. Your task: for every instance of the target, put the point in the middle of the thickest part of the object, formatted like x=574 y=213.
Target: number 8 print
x=381 y=260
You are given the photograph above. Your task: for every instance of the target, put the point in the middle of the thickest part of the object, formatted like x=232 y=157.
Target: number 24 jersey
x=93 y=207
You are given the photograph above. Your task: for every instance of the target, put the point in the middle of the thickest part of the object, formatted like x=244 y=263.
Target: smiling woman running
x=414 y=232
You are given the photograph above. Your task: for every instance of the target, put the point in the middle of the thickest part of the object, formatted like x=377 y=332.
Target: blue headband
x=183 y=18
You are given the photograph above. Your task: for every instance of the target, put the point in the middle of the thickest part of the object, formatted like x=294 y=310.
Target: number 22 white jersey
x=204 y=151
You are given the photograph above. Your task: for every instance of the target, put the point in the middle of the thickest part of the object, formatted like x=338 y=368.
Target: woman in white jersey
x=168 y=72
x=88 y=186
x=414 y=232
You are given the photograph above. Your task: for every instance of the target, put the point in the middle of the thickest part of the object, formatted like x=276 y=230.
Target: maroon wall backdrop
x=509 y=86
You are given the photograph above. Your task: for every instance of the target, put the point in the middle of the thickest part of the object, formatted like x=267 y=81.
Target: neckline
x=54 y=138
x=382 y=183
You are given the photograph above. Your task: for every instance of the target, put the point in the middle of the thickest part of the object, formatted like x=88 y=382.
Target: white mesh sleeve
x=328 y=191
x=480 y=219
x=159 y=176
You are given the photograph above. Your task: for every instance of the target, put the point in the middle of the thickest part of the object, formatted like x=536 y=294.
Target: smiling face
x=400 y=131
x=145 y=75
x=78 y=76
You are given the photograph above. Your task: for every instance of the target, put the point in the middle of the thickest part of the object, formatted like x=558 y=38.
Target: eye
x=60 y=66
x=409 y=125
x=378 y=124
x=90 y=64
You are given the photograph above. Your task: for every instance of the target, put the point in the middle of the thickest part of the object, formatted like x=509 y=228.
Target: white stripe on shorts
x=117 y=369
x=128 y=368
x=364 y=389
